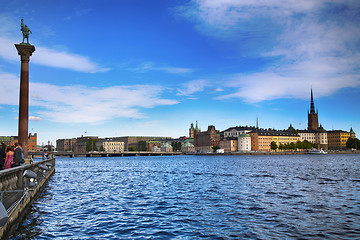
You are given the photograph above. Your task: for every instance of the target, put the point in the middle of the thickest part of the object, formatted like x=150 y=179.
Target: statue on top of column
x=25 y=31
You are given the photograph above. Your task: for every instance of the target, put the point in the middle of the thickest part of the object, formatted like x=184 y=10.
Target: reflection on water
x=193 y=197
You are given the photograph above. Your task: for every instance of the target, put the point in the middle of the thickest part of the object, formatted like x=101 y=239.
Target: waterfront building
x=314 y=133
x=193 y=129
x=352 y=133
x=65 y=144
x=166 y=147
x=132 y=141
x=32 y=142
x=244 y=143
x=188 y=147
x=237 y=131
x=151 y=144
x=155 y=148
x=81 y=142
x=110 y=146
x=229 y=144
x=11 y=140
x=5 y=139
x=261 y=139
x=319 y=137
x=337 y=139
x=204 y=141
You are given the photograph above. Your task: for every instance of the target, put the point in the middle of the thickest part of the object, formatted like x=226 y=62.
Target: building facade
x=204 y=141
x=229 y=144
x=237 y=131
x=261 y=139
x=337 y=139
x=193 y=129
x=166 y=147
x=110 y=146
x=65 y=144
x=244 y=143
x=132 y=141
x=319 y=137
x=11 y=140
x=188 y=147
x=81 y=142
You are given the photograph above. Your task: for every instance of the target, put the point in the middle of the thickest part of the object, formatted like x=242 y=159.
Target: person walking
x=2 y=155
x=9 y=161
x=18 y=155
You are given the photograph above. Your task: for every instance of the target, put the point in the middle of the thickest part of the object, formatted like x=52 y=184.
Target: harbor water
x=199 y=197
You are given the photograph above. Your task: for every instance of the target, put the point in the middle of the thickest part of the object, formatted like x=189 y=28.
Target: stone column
x=25 y=51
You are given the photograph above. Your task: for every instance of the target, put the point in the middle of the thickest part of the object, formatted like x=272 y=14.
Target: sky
x=151 y=68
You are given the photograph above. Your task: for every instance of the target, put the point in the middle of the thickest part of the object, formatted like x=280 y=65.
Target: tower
x=191 y=130
x=352 y=133
x=313 y=123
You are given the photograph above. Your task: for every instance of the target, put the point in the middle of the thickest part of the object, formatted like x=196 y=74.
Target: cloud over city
x=151 y=66
x=310 y=43
x=82 y=104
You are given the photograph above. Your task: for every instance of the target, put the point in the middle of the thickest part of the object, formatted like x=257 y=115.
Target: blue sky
x=130 y=67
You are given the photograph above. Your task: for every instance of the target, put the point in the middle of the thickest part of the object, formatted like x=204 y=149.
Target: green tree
x=214 y=148
x=273 y=146
x=281 y=146
x=292 y=146
x=102 y=148
x=308 y=145
x=176 y=146
x=353 y=143
x=132 y=148
x=142 y=146
x=91 y=145
x=299 y=145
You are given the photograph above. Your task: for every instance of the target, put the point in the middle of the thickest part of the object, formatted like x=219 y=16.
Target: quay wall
x=147 y=153
x=16 y=193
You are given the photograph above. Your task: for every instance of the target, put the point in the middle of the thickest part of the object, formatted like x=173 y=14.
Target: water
x=199 y=197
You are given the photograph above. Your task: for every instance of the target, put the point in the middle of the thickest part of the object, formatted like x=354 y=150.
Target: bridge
x=104 y=154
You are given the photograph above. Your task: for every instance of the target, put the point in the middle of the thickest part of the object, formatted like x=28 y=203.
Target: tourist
x=22 y=155
x=9 y=161
x=18 y=155
x=2 y=155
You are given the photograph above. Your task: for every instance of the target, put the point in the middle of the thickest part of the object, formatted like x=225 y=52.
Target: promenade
x=19 y=187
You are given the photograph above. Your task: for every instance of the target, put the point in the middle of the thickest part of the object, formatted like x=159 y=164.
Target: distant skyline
x=130 y=67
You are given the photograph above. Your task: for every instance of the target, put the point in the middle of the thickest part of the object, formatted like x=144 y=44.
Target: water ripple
x=199 y=197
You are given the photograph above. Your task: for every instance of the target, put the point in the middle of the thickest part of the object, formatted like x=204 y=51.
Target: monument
x=25 y=50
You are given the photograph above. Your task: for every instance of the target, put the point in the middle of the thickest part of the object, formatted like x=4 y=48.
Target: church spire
x=313 y=123
x=312 y=105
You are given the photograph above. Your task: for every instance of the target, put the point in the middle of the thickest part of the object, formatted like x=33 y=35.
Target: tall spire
x=312 y=105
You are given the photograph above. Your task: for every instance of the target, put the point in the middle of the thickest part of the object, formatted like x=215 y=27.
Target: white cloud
x=82 y=104
x=49 y=57
x=150 y=66
x=52 y=58
x=315 y=43
x=33 y=118
x=9 y=90
x=192 y=87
